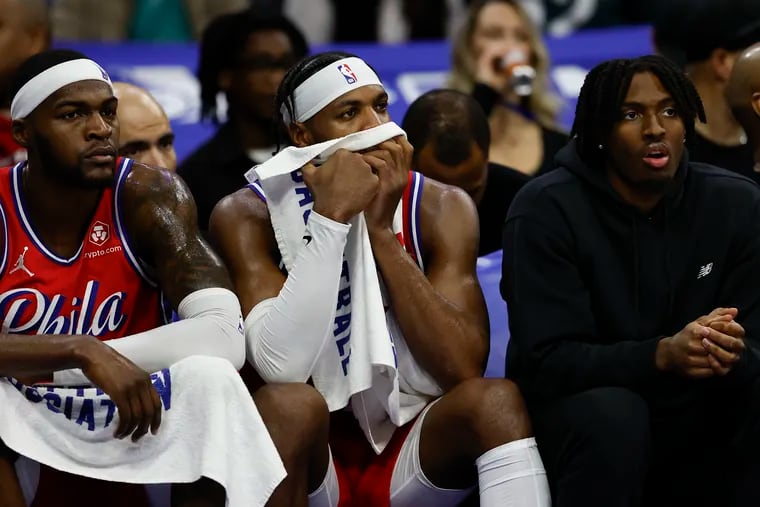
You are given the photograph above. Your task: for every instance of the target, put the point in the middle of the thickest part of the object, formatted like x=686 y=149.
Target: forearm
x=572 y=366
x=286 y=334
x=446 y=341
x=210 y=325
x=38 y=356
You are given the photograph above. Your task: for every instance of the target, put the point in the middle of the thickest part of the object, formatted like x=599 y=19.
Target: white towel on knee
x=362 y=368
x=210 y=428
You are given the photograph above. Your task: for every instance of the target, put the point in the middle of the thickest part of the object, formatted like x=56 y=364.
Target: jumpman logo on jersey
x=20 y=264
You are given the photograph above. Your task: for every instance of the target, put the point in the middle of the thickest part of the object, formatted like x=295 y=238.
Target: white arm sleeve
x=211 y=325
x=286 y=334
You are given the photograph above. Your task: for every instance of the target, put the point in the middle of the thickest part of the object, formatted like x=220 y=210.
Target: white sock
x=513 y=475
x=328 y=493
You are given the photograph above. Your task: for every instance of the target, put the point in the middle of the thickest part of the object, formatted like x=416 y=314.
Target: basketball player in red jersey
x=95 y=251
x=478 y=430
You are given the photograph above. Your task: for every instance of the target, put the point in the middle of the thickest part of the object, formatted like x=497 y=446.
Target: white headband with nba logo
x=326 y=85
x=49 y=81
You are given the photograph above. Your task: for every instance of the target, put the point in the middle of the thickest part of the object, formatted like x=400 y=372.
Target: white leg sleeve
x=285 y=334
x=409 y=486
x=513 y=475
x=328 y=494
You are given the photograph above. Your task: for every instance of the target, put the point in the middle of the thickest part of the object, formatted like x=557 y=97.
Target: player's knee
x=298 y=408
x=489 y=405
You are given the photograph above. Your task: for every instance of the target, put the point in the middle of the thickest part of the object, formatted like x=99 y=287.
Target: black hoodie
x=592 y=284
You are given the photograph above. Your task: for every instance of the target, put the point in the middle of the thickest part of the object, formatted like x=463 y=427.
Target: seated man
x=631 y=278
x=399 y=359
x=451 y=136
x=145 y=134
x=743 y=95
x=94 y=250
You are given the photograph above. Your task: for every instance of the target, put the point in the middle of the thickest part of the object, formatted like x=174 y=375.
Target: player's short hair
x=451 y=120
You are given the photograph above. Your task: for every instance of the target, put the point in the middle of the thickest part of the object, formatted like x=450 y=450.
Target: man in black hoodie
x=632 y=278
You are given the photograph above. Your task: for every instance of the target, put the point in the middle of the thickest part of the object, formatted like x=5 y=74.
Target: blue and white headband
x=43 y=85
x=326 y=85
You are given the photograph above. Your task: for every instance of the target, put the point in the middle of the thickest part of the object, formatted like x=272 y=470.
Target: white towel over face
x=361 y=367
x=210 y=428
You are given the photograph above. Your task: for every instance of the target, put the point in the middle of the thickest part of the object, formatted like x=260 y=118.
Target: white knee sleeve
x=328 y=493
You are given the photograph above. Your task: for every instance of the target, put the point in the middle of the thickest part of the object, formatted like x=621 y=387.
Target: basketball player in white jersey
x=478 y=431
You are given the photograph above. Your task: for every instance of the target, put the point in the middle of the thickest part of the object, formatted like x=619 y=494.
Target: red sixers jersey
x=103 y=290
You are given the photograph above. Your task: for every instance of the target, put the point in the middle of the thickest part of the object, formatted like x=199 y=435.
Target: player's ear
x=20 y=132
x=756 y=103
x=300 y=135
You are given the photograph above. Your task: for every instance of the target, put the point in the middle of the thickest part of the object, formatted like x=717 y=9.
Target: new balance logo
x=704 y=270
x=19 y=266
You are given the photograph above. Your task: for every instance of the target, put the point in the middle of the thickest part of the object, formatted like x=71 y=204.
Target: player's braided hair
x=296 y=75
x=604 y=91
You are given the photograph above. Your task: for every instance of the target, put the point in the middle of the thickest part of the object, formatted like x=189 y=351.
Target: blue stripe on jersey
x=26 y=225
x=123 y=170
x=416 y=197
x=3 y=217
x=256 y=187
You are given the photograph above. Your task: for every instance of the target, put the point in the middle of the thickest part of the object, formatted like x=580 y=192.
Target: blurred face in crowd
x=145 y=132
x=499 y=26
x=647 y=142
x=252 y=85
x=73 y=134
x=21 y=36
x=357 y=110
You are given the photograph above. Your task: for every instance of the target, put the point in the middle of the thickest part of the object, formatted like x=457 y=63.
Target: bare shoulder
x=439 y=198
x=240 y=206
x=240 y=223
x=449 y=220
x=148 y=182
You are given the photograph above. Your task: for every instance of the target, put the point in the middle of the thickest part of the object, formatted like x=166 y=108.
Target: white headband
x=44 y=84
x=328 y=84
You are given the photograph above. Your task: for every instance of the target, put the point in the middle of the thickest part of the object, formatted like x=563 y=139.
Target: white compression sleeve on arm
x=285 y=334
x=210 y=326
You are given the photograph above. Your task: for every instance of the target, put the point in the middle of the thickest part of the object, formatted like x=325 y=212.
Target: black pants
x=6 y=453
x=611 y=447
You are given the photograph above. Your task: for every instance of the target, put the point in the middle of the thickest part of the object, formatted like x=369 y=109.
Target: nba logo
x=104 y=74
x=348 y=74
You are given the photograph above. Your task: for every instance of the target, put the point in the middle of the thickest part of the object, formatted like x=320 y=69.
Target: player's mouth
x=101 y=154
x=657 y=155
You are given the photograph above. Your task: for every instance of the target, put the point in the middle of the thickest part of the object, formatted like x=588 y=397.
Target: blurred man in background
x=24 y=31
x=145 y=133
x=244 y=57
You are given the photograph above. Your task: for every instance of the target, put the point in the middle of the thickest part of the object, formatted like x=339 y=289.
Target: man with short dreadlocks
x=243 y=56
x=631 y=278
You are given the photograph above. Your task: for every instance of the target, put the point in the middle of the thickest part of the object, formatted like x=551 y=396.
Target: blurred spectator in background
x=145 y=134
x=743 y=95
x=450 y=136
x=712 y=34
x=500 y=59
x=24 y=31
x=148 y=20
x=244 y=57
